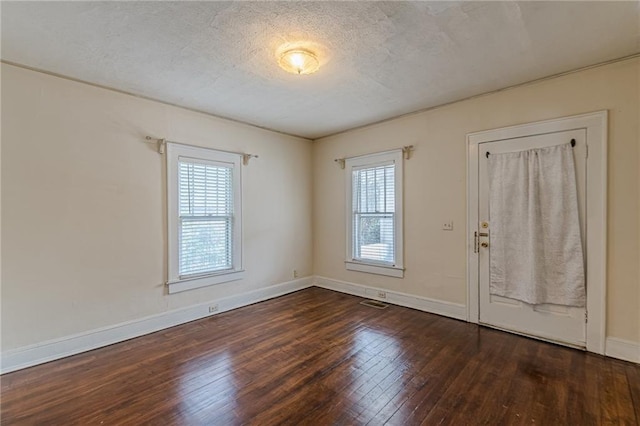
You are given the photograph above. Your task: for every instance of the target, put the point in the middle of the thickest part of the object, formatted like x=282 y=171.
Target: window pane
x=374 y=239
x=205 y=245
x=374 y=213
x=373 y=189
x=205 y=190
x=205 y=209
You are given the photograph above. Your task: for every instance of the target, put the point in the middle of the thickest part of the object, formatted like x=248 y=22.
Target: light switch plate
x=447 y=226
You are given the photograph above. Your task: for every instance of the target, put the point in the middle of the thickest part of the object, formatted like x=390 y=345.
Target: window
x=204 y=211
x=374 y=214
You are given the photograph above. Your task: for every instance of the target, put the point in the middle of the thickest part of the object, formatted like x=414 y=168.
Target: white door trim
x=596 y=197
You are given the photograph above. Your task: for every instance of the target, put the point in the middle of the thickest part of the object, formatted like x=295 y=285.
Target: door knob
x=484 y=245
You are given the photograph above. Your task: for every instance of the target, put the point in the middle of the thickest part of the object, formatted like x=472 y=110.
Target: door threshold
x=581 y=347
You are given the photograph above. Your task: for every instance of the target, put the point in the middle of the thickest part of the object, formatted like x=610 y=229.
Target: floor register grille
x=374 y=304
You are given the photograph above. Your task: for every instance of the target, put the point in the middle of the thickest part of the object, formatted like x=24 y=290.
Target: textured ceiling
x=379 y=59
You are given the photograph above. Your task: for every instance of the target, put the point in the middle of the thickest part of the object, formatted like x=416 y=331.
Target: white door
x=562 y=324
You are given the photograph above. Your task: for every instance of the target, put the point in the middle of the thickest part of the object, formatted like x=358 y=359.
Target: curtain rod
x=406 y=151
x=573 y=143
x=162 y=143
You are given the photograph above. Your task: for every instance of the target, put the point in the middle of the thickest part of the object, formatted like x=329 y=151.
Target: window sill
x=205 y=281
x=390 y=271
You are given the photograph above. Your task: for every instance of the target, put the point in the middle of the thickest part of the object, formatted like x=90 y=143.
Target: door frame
x=595 y=124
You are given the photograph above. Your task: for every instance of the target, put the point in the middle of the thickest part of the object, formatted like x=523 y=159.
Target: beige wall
x=83 y=213
x=435 y=185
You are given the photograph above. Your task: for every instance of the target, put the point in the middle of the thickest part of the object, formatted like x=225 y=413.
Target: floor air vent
x=374 y=304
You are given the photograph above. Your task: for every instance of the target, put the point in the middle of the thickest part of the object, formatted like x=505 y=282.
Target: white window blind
x=205 y=217
x=374 y=213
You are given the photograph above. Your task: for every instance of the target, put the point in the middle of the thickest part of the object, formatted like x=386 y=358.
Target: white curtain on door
x=536 y=247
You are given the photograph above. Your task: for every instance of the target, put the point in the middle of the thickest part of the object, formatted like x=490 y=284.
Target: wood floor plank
x=633 y=378
x=317 y=357
x=478 y=375
x=621 y=395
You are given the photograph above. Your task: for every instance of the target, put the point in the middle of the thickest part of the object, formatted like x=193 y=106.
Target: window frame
x=175 y=152
x=395 y=268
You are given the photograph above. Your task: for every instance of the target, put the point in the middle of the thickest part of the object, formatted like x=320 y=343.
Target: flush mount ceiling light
x=299 y=61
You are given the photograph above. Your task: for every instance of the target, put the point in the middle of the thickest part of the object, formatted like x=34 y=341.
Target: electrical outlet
x=295 y=273
x=447 y=226
x=382 y=294
x=213 y=308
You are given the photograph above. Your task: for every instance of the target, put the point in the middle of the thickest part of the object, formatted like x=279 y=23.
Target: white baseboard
x=447 y=309
x=31 y=355
x=623 y=349
x=40 y=353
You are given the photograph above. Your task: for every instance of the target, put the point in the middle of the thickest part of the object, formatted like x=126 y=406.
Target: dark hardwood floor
x=318 y=357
